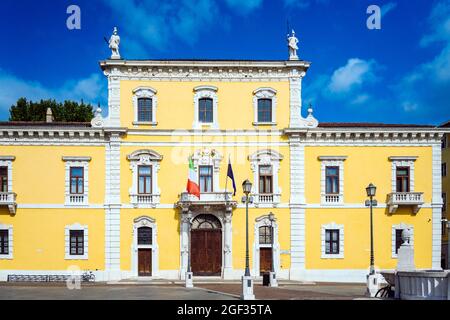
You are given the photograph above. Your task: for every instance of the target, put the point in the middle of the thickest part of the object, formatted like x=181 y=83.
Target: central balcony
x=396 y=199
x=208 y=200
x=8 y=199
x=207 y=197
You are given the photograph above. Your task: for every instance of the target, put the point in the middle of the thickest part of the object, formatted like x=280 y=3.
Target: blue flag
x=231 y=176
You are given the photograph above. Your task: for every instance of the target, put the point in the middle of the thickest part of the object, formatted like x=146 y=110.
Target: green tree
x=69 y=111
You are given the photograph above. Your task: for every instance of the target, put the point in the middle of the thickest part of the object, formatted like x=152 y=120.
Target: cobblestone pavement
x=106 y=292
x=296 y=291
x=202 y=291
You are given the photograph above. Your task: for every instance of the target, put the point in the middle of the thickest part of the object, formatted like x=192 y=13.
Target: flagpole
x=226 y=178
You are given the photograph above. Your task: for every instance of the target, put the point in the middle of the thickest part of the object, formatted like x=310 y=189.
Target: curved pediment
x=146 y=153
x=266 y=153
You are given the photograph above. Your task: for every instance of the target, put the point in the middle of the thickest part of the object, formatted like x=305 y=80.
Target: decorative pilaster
x=436 y=204
x=112 y=208
x=295 y=103
x=297 y=206
x=228 y=236
x=113 y=97
x=184 y=242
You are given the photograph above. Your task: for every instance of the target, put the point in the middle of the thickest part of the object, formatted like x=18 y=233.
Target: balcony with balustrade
x=74 y=199
x=262 y=199
x=138 y=200
x=412 y=199
x=8 y=199
x=207 y=200
x=332 y=199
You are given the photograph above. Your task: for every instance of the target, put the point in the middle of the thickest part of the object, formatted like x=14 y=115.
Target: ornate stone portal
x=221 y=208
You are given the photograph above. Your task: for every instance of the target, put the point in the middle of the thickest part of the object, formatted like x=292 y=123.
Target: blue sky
x=399 y=74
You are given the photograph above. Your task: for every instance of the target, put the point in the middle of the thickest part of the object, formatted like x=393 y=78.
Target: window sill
x=71 y=204
x=332 y=256
x=6 y=256
x=70 y=257
x=145 y=123
x=267 y=124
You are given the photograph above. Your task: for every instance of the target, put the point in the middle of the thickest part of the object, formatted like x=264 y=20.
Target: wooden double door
x=265 y=260
x=145 y=262
x=206 y=252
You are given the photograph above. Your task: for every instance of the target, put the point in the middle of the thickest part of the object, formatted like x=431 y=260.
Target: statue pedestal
x=115 y=56
x=372 y=285
x=405 y=258
x=273 y=280
x=247 y=288
x=189 y=283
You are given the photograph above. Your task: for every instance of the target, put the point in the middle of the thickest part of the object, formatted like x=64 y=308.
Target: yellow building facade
x=110 y=196
x=445 y=194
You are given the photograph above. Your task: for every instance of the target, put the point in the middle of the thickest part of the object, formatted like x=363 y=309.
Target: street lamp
x=273 y=278
x=372 y=279
x=371 y=191
x=247 y=187
x=247 y=282
x=189 y=283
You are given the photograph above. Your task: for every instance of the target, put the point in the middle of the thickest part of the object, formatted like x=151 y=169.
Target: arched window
x=145 y=110
x=205 y=110
x=264 y=110
x=265 y=235
x=206 y=221
x=145 y=235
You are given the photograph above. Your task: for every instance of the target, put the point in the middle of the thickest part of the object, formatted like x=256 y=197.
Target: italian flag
x=192 y=184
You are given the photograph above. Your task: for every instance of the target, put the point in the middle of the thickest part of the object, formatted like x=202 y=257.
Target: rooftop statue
x=114 y=42
x=292 y=45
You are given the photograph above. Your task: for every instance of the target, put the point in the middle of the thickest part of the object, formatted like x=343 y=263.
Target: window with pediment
x=144 y=165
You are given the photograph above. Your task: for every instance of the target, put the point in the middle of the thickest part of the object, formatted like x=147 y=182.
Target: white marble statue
x=292 y=45
x=114 y=42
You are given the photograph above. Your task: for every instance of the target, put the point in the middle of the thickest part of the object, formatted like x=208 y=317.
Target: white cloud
x=360 y=99
x=154 y=24
x=160 y=24
x=244 y=6
x=91 y=89
x=385 y=9
x=425 y=90
x=439 y=21
x=353 y=75
x=302 y=4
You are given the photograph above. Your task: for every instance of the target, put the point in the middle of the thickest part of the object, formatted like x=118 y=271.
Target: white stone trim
x=148 y=158
x=6 y=161
x=260 y=222
x=77 y=199
x=144 y=92
x=270 y=158
x=297 y=206
x=112 y=207
x=332 y=161
x=403 y=161
x=208 y=157
x=76 y=227
x=145 y=221
x=332 y=226
x=8 y=256
x=397 y=227
x=265 y=93
x=436 y=203
x=206 y=92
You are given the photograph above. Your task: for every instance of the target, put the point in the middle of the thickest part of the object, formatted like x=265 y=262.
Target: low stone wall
x=420 y=285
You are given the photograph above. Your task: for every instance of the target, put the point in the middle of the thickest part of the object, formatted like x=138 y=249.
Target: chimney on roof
x=49 y=116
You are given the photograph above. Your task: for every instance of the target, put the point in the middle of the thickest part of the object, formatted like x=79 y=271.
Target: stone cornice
x=51 y=132
x=200 y=70
x=360 y=134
